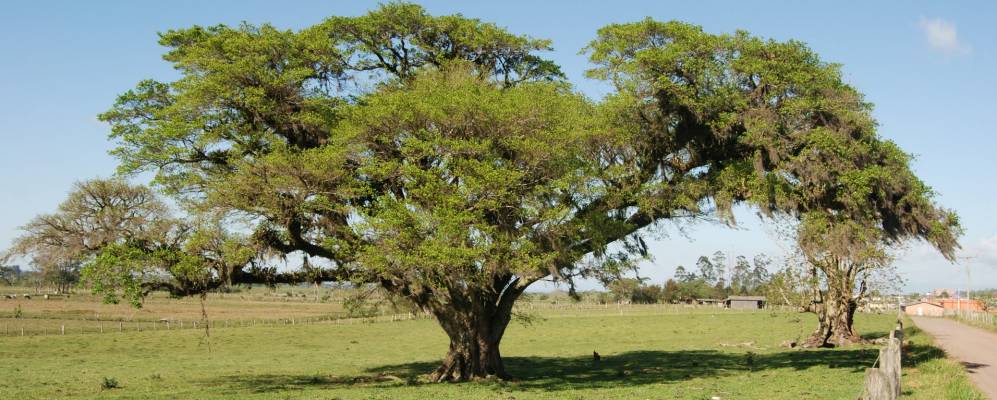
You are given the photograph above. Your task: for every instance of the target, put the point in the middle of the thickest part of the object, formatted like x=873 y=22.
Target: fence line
x=64 y=327
x=34 y=326
x=977 y=318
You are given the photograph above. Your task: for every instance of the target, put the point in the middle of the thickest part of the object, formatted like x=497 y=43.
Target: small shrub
x=109 y=383
x=358 y=306
x=18 y=313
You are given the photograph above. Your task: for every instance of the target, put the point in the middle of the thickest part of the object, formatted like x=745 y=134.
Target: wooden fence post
x=877 y=386
x=889 y=363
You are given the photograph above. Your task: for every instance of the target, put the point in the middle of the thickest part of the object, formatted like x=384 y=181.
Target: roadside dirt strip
x=974 y=347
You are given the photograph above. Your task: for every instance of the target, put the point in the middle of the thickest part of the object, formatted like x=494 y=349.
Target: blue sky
x=929 y=67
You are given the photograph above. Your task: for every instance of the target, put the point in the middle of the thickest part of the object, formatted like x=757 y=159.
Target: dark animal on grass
x=595 y=356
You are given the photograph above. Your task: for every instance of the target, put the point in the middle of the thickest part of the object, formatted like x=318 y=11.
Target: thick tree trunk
x=474 y=345
x=835 y=316
x=473 y=317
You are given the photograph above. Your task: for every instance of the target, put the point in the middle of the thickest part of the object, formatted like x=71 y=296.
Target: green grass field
x=693 y=355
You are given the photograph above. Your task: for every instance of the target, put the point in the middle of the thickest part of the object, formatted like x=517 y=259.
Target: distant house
x=924 y=308
x=745 y=302
x=961 y=304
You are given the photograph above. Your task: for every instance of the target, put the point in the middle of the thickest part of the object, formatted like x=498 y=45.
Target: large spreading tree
x=444 y=159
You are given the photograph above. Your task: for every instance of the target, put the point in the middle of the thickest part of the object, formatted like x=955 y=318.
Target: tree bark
x=835 y=309
x=475 y=336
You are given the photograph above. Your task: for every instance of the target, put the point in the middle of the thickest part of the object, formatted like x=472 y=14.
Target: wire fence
x=44 y=325
x=981 y=319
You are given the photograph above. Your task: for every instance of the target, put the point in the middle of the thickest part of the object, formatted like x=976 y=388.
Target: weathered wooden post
x=63 y=329
x=889 y=363
x=877 y=386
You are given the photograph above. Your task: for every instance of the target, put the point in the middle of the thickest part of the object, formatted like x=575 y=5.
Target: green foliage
x=774 y=124
x=96 y=213
x=108 y=383
x=275 y=124
x=443 y=159
x=483 y=170
x=119 y=271
x=358 y=305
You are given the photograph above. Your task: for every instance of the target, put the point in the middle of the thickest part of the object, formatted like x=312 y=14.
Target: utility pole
x=968 y=260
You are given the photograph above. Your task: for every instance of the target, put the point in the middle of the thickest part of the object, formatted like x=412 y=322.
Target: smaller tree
x=10 y=274
x=759 y=275
x=682 y=275
x=791 y=284
x=741 y=281
x=707 y=271
x=97 y=213
x=670 y=293
x=623 y=289
x=63 y=276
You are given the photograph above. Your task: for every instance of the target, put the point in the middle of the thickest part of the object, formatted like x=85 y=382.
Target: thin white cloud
x=943 y=37
x=982 y=252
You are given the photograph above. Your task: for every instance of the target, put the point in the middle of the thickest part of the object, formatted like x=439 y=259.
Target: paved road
x=974 y=347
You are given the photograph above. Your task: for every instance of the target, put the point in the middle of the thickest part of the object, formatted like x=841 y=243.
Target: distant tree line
x=62 y=277
x=713 y=277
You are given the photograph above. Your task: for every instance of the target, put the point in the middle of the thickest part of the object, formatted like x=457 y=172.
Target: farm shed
x=709 y=302
x=745 y=302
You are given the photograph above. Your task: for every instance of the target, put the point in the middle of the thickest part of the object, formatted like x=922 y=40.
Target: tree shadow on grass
x=914 y=354
x=874 y=335
x=571 y=373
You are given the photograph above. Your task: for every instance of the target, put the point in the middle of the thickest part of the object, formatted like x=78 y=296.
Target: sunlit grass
x=695 y=355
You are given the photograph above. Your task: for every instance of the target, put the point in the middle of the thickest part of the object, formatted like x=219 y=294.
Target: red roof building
x=961 y=304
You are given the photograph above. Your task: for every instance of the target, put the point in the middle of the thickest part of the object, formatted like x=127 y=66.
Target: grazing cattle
x=26 y=296
x=10 y=296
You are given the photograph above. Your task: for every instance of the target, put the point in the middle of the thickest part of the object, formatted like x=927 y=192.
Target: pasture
x=648 y=352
